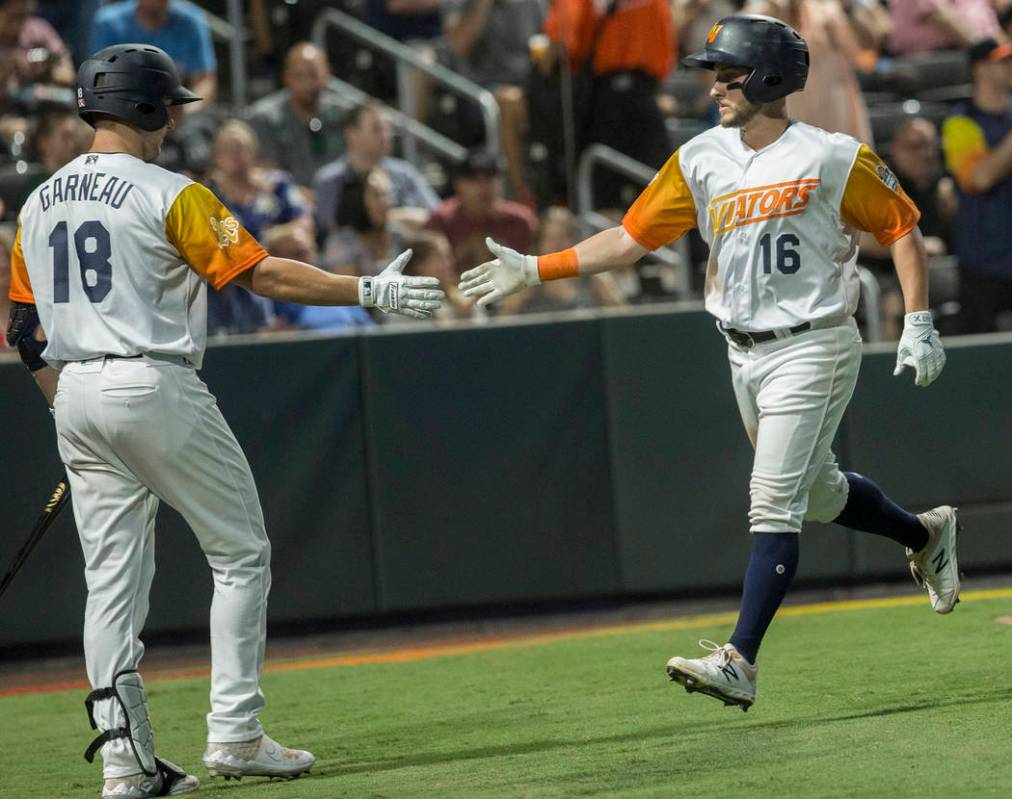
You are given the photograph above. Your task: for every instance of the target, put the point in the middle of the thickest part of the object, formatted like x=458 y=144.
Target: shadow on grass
x=682 y=731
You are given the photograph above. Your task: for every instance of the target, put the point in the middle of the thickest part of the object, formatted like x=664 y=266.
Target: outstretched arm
x=510 y=271
x=390 y=291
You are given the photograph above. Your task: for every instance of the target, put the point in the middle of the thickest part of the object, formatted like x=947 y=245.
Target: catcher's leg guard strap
x=171 y=774
x=128 y=691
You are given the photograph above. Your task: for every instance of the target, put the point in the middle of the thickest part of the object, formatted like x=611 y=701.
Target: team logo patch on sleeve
x=886 y=176
x=225 y=230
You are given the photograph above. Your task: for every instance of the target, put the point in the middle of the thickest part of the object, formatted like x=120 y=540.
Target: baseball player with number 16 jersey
x=780 y=204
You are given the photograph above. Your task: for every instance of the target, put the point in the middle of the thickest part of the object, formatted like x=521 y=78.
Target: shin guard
x=127 y=690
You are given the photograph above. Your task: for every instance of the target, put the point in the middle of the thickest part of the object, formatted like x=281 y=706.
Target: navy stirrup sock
x=869 y=510
x=771 y=568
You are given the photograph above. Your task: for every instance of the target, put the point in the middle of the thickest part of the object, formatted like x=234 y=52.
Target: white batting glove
x=920 y=348
x=509 y=273
x=407 y=295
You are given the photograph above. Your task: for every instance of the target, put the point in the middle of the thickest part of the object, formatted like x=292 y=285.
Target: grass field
x=876 y=699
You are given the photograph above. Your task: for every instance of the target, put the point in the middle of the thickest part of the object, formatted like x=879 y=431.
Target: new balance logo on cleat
x=935 y=567
x=729 y=672
x=723 y=674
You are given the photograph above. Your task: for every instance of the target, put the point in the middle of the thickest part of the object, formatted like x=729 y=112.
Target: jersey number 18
x=91 y=240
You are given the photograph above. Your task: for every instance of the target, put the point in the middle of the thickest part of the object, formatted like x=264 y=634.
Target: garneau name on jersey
x=86 y=186
x=782 y=222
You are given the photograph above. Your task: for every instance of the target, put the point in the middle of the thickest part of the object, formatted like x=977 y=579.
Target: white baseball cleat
x=171 y=781
x=934 y=567
x=723 y=674
x=261 y=757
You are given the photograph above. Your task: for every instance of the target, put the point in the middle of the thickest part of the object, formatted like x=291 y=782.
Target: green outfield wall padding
x=406 y=470
x=681 y=460
x=46 y=600
x=488 y=465
x=950 y=442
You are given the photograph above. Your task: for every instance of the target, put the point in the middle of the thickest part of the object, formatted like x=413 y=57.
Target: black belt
x=747 y=339
x=123 y=357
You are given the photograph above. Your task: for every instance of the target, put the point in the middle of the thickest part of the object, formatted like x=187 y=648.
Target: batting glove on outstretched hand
x=920 y=348
x=407 y=295
x=509 y=273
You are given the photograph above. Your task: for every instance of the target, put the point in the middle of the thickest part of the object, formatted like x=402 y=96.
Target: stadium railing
x=674 y=260
x=407 y=61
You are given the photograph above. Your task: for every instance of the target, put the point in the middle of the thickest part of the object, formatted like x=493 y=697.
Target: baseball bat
x=45 y=520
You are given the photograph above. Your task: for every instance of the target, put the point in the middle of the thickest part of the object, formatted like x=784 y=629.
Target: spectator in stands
x=477 y=210
x=367 y=236
x=368 y=139
x=832 y=98
x=58 y=136
x=629 y=48
x=73 y=20
x=31 y=52
x=920 y=26
x=410 y=21
x=177 y=26
x=260 y=198
x=915 y=157
x=977 y=140
x=490 y=42
x=418 y=24
x=296 y=242
x=299 y=127
x=557 y=228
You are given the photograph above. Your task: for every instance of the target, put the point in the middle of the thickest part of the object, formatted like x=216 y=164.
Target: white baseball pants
x=791 y=394
x=133 y=432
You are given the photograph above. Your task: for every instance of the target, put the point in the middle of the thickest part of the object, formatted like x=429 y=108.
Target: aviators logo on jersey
x=759 y=203
x=225 y=230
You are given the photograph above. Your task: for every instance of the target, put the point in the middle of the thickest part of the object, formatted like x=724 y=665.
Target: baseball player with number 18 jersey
x=780 y=204
x=112 y=261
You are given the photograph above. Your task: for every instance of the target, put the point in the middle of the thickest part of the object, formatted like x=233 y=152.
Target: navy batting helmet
x=131 y=83
x=773 y=50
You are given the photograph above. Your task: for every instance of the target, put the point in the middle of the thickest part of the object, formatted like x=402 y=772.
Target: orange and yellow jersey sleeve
x=874 y=201
x=965 y=145
x=209 y=237
x=665 y=209
x=21 y=286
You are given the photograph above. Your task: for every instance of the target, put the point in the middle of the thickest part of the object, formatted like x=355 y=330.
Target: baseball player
x=780 y=203
x=112 y=260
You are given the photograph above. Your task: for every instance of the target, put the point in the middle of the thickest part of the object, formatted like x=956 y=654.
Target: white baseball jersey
x=116 y=253
x=782 y=222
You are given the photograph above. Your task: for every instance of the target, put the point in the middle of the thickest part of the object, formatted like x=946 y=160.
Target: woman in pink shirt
x=920 y=26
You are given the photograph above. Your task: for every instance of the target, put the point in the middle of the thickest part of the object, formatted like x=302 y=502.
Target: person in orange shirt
x=628 y=48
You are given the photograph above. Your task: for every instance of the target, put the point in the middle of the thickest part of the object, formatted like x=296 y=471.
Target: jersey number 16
x=788 y=259
x=91 y=240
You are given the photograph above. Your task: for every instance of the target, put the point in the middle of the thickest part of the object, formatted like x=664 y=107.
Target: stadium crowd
x=315 y=166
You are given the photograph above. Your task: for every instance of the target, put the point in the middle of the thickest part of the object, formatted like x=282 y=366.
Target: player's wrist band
x=366 y=294
x=558 y=265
